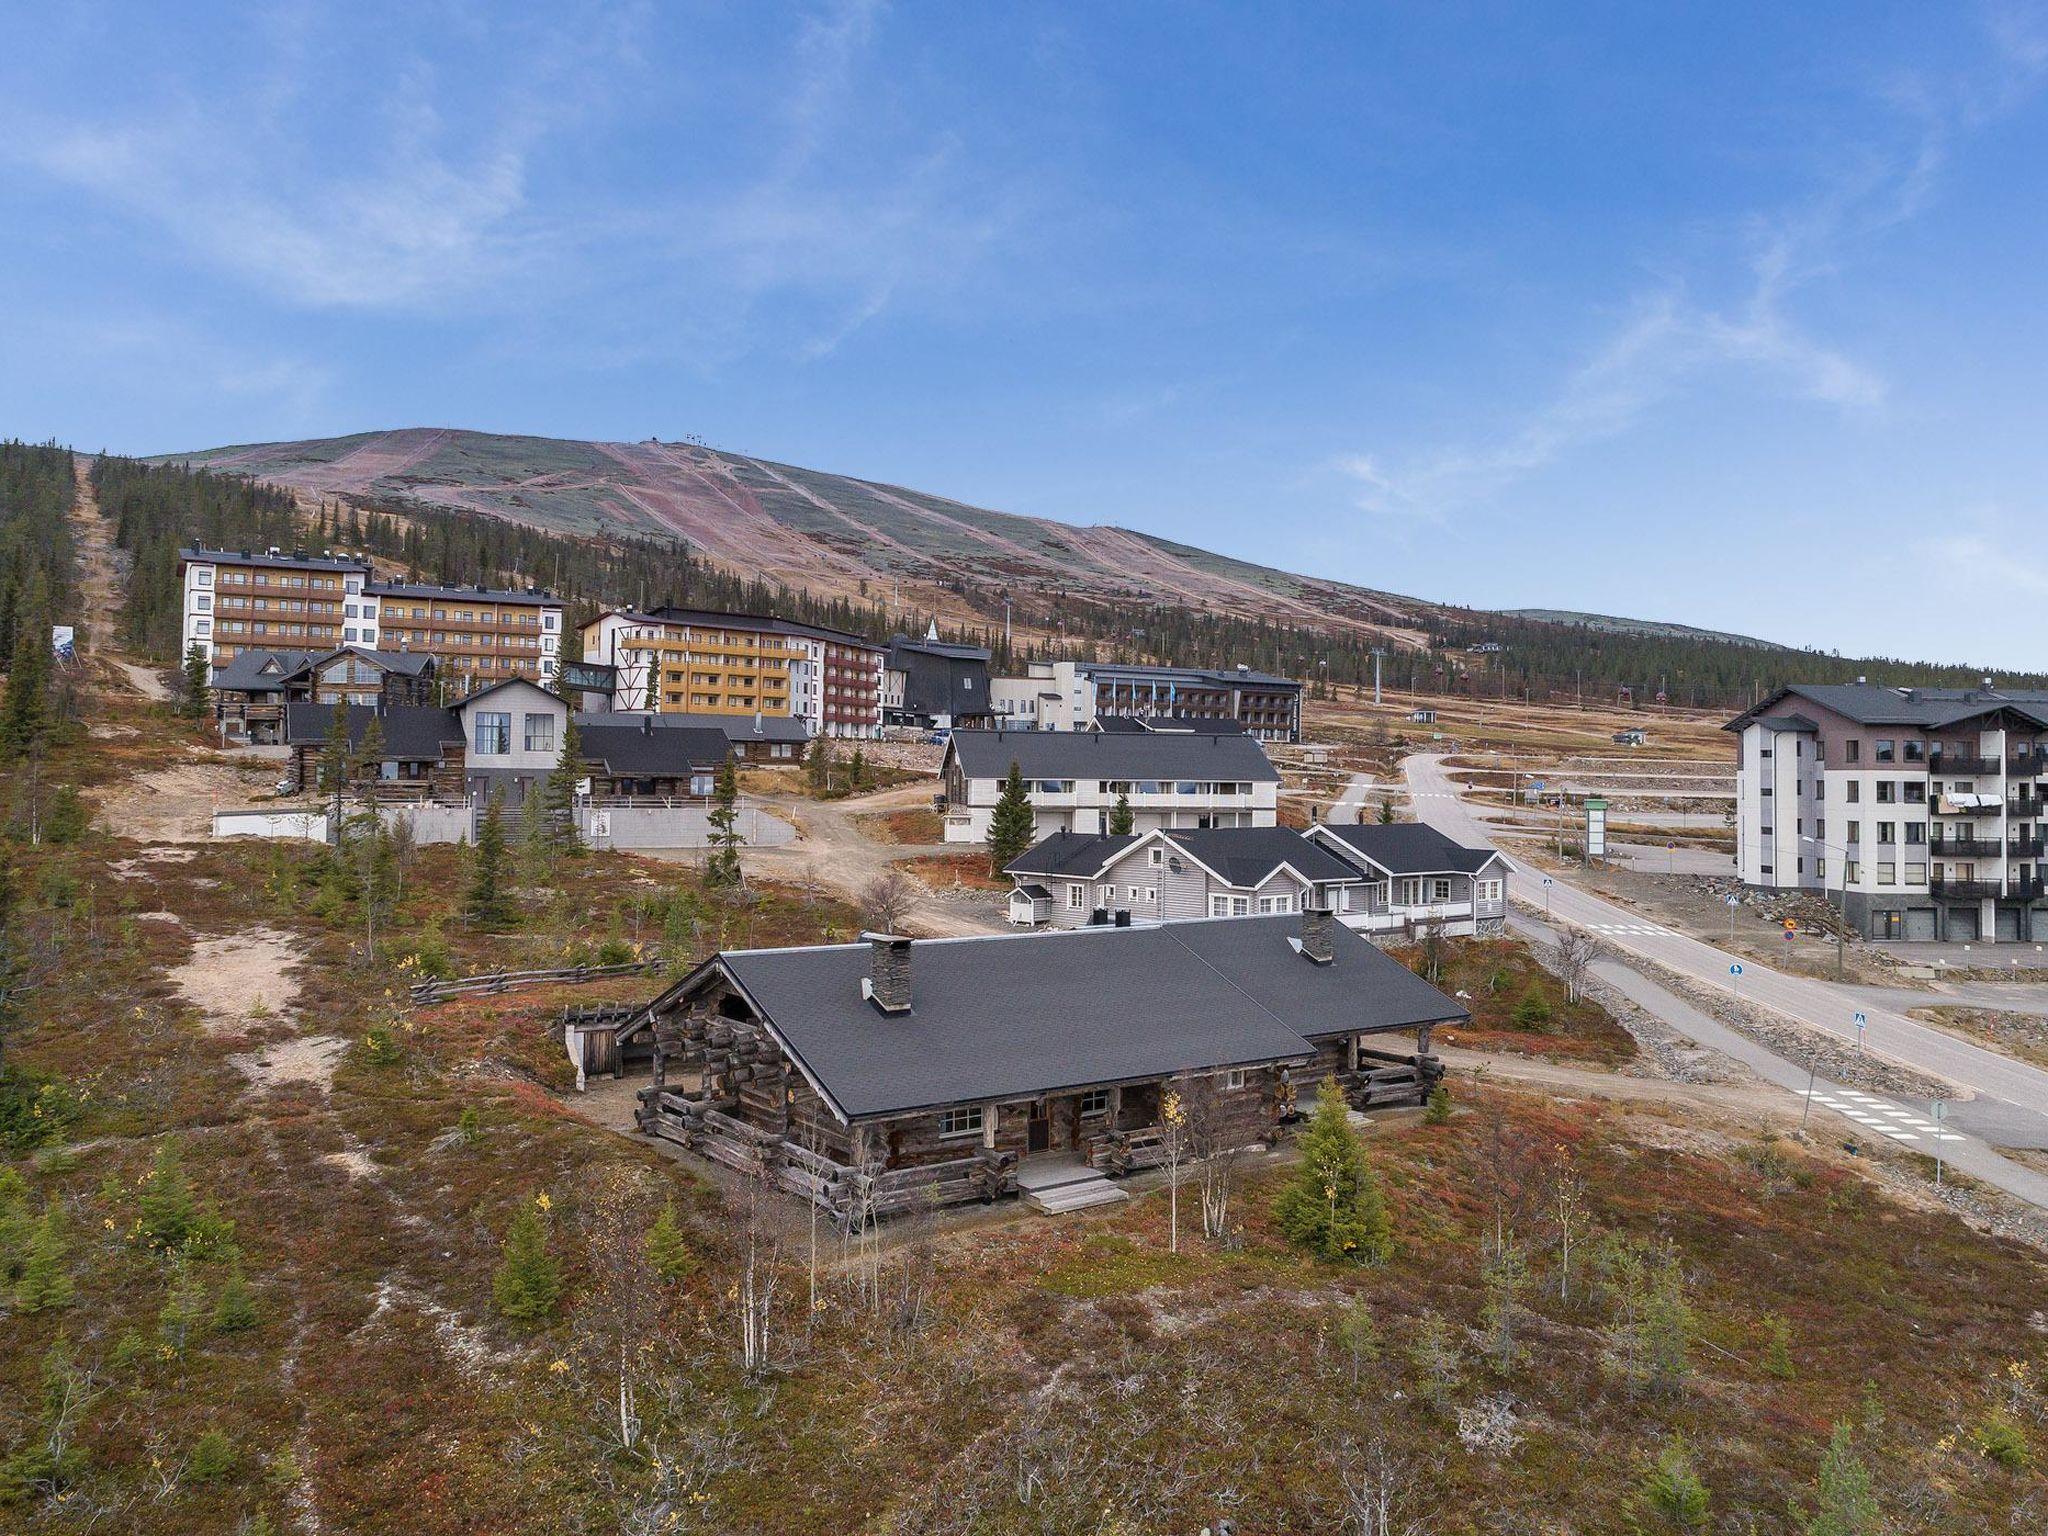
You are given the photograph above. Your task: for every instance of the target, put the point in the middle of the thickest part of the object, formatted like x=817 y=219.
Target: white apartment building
x=1920 y=811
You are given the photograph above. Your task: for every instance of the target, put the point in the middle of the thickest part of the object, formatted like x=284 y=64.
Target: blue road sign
x=1735 y=969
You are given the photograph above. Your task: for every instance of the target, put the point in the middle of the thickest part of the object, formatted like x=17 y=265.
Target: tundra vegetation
x=311 y=1258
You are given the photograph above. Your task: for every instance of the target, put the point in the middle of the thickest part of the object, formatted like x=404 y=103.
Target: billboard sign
x=1596 y=828
x=63 y=641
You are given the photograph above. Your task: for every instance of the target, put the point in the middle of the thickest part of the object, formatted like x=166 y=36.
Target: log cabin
x=892 y=1073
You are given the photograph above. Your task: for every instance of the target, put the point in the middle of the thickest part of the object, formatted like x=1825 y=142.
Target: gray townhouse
x=1078 y=879
x=1075 y=778
x=1413 y=877
x=1921 y=811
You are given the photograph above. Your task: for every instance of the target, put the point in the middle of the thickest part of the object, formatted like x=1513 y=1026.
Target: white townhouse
x=1075 y=778
x=1413 y=877
x=1080 y=879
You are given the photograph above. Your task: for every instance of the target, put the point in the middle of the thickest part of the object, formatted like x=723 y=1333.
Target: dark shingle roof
x=940 y=679
x=300 y=562
x=633 y=751
x=427 y=590
x=1186 y=725
x=1408 y=848
x=1247 y=856
x=412 y=732
x=736 y=728
x=1206 y=676
x=245 y=673
x=1069 y=853
x=405 y=663
x=1925 y=708
x=1011 y=1017
x=1095 y=755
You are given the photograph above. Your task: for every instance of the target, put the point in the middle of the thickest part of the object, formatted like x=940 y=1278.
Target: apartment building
x=242 y=601
x=929 y=683
x=1922 y=811
x=1075 y=778
x=1073 y=695
x=694 y=661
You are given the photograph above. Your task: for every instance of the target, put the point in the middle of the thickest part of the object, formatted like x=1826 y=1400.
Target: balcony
x=1964 y=890
x=2030 y=809
x=2026 y=890
x=1990 y=806
x=1956 y=762
x=2028 y=763
x=2031 y=846
x=1965 y=848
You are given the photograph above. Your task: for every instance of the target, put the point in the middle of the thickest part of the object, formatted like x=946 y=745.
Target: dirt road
x=102 y=580
x=834 y=850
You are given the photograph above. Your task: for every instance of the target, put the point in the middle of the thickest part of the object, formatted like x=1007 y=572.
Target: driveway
x=2005 y=1101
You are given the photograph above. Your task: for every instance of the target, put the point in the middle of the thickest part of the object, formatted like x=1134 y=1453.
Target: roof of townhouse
x=939 y=678
x=737 y=728
x=508 y=682
x=945 y=648
x=641 y=751
x=1071 y=853
x=430 y=589
x=1111 y=755
x=1407 y=848
x=994 y=1018
x=710 y=618
x=260 y=671
x=295 y=559
x=1924 y=708
x=412 y=732
x=405 y=663
x=1172 y=725
x=1247 y=857
x=1243 y=675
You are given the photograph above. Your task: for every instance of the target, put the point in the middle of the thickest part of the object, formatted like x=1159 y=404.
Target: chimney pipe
x=887 y=984
x=1315 y=942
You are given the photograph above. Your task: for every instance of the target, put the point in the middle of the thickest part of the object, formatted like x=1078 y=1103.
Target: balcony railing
x=1964 y=848
x=2028 y=763
x=2031 y=808
x=2026 y=848
x=1955 y=762
x=1947 y=807
x=2026 y=890
x=1964 y=890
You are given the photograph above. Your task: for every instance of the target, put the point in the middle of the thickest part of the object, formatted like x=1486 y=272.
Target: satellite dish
x=1174 y=864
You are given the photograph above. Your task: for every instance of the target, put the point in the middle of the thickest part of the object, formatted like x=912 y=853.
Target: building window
x=1077 y=897
x=1886 y=752
x=961 y=1122
x=493 y=733
x=540 y=733
x=1855 y=792
x=1158 y=855
x=1276 y=903
x=203 y=578
x=1855 y=749
x=1095 y=1102
x=1887 y=874
x=1887 y=792
x=1916 y=874
x=1233 y=1079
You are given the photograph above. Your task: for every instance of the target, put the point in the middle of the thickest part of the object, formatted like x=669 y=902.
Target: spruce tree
x=44 y=1285
x=668 y=1252
x=1122 y=820
x=235 y=1309
x=168 y=1212
x=25 y=707
x=1386 y=813
x=1846 y=1506
x=1672 y=1497
x=197 y=694
x=818 y=766
x=368 y=756
x=334 y=753
x=558 y=795
x=857 y=769
x=722 y=866
x=528 y=1283
x=1012 y=827
x=1333 y=1206
x=487 y=906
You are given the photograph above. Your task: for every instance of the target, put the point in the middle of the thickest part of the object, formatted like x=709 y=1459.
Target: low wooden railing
x=1122 y=1151
x=492 y=982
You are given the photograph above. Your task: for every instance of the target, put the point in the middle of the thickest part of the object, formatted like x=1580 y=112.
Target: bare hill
x=828 y=533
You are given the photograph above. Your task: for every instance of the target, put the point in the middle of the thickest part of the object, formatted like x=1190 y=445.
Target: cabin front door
x=1038 y=1130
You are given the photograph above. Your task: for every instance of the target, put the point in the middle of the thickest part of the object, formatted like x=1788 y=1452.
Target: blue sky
x=1727 y=314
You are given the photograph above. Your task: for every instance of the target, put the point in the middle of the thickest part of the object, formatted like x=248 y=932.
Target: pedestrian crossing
x=1644 y=930
x=1875 y=1114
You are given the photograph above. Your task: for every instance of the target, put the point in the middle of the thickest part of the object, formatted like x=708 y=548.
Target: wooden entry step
x=1052 y=1187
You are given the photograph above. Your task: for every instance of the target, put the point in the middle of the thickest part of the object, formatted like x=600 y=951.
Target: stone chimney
x=887 y=983
x=1316 y=941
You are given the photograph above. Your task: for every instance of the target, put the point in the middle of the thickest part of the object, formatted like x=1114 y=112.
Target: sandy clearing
x=240 y=978
x=176 y=805
x=307 y=1059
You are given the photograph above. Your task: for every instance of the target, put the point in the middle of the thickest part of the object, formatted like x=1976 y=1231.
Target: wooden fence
x=426 y=992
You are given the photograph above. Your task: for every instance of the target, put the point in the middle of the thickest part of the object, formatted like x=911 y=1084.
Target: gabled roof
x=1186 y=725
x=509 y=682
x=412 y=732
x=737 y=728
x=1247 y=857
x=1929 y=709
x=260 y=671
x=1096 y=755
x=940 y=679
x=429 y=590
x=1072 y=854
x=1403 y=848
x=1002 y=1018
x=404 y=663
x=633 y=751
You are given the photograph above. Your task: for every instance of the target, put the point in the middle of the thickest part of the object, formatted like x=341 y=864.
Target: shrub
x=528 y=1283
x=34 y=1110
x=614 y=952
x=1778 y=1348
x=1672 y=1497
x=380 y=1047
x=1845 y=1504
x=1999 y=1439
x=1438 y=1109
x=1533 y=1011
x=67 y=818
x=213 y=1458
x=1333 y=1206
x=430 y=958
x=127 y=1349
x=469 y=1125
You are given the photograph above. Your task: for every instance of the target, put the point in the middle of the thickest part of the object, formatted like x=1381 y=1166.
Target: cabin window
x=493 y=732
x=1441 y=890
x=540 y=733
x=1276 y=903
x=1233 y=1079
x=1077 y=897
x=1229 y=906
x=1095 y=1102
x=1158 y=855
x=960 y=1122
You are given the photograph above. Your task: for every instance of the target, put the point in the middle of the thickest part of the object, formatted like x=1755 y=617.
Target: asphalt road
x=2009 y=1099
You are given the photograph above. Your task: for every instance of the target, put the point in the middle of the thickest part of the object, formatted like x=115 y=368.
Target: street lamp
x=1841 y=929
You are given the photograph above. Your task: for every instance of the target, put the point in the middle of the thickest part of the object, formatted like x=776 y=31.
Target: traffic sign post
x=1940 y=1115
x=1734 y=901
x=1735 y=977
x=1861 y=1020
x=1547 y=883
